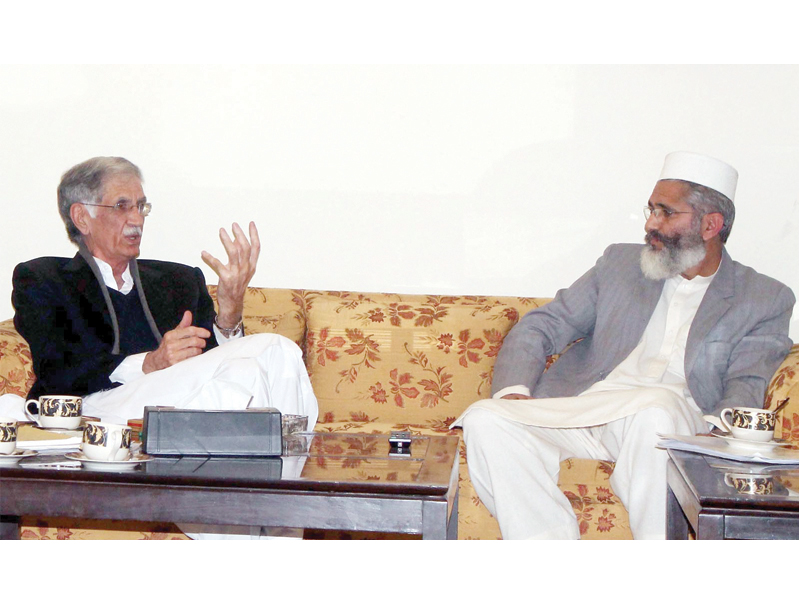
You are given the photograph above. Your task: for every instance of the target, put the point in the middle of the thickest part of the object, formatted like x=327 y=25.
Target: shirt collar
x=696 y=282
x=110 y=281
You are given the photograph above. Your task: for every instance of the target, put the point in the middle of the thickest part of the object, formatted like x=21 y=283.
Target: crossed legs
x=265 y=367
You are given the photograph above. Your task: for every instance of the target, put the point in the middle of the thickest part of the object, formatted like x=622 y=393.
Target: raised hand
x=185 y=341
x=236 y=275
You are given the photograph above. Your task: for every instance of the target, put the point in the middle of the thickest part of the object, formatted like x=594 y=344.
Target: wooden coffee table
x=698 y=497
x=330 y=481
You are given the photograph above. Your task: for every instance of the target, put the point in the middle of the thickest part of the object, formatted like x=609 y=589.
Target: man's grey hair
x=83 y=184
x=704 y=200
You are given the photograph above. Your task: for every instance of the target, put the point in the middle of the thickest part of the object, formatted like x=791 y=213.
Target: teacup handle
x=28 y=405
x=114 y=442
x=728 y=480
x=726 y=412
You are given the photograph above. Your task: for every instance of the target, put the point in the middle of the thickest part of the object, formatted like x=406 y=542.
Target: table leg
x=9 y=527
x=434 y=520
x=710 y=526
x=677 y=523
x=452 y=525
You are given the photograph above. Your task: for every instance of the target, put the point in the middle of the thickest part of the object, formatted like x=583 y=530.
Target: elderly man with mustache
x=125 y=333
x=660 y=335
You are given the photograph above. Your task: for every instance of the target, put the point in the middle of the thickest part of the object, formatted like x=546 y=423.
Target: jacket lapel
x=152 y=302
x=79 y=276
x=714 y=305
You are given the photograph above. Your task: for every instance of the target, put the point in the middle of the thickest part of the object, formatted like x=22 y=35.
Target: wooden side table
x=700 y=497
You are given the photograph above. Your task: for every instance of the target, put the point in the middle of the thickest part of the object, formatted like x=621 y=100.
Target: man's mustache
x=653 y=236
x=132 y=230
x=667 y=241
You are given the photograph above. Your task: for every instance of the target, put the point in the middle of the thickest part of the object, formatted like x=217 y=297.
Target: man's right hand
x=177 y=345
x=517 y=397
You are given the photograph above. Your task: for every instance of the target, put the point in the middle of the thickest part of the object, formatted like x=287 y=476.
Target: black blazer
x=61 y=313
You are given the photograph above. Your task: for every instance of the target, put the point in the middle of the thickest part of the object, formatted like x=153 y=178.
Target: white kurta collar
x=110 y=281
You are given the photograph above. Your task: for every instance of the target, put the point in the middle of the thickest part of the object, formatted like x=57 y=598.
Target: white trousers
x=261 y=370
x=514 y=468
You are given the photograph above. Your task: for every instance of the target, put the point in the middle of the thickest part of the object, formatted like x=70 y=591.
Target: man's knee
x=278 y=344
x=480 y=424
x=276 y=354
x=655 y=420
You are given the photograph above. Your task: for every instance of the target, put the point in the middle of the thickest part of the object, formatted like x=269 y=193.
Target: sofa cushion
x=404 y=358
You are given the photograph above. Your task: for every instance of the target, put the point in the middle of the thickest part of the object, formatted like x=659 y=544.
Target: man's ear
x=711 y=225
x=80 y=217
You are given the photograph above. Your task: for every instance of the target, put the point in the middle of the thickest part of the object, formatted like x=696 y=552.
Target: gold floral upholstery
x=384 y=362
x=404 y=359
x=272 y=310
x=54 y=528
x=16 y=372
x=782 y=386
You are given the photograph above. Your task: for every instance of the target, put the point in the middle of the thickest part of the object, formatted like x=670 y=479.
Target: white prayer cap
x=705 y=170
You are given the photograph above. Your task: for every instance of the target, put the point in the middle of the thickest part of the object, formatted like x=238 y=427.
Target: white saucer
x=750 y=445
x=16 y=456
x=109 y=465
x=58 y=429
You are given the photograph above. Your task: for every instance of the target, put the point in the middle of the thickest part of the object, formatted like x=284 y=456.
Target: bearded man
x=660 y=335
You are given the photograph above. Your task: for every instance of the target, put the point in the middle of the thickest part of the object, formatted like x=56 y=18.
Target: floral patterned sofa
x=381 y=362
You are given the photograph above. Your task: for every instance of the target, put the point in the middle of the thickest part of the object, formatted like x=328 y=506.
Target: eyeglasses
x=664 y=213
x=123 y=207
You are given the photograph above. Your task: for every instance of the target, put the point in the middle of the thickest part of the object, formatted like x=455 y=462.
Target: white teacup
x=55 y=412
x=291 y=424
x=752 y=424
x=8 y=437
x=106 y=441
x=750 y=483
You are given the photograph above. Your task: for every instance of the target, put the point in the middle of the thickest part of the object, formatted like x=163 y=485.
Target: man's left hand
x=234 y=277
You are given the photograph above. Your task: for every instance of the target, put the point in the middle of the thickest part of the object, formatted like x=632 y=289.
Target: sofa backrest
x=403 y=358
x=399 y=358
x=416 y=359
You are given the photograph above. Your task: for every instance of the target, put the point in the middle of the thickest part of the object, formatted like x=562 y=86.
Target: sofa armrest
x=784 y=385
x=16 y=364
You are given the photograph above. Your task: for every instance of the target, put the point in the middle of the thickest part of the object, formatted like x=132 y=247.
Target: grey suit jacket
x=736 y=342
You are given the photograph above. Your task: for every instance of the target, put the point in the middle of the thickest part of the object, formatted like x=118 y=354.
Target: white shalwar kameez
x=514 y=447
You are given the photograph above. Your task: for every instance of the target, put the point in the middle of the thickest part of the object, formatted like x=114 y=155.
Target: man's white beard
x=673 y=259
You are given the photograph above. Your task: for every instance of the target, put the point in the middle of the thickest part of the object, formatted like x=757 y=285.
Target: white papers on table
x=52 y=446
x=715 y=446
x=53 y=443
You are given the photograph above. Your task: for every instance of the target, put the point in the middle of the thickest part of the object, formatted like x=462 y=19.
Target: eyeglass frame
x=142 y=207
x=661 y=212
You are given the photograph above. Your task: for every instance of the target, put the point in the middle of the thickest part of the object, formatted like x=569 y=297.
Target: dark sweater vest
x=135 y=335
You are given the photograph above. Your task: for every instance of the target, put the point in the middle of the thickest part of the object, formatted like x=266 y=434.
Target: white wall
x=441 y=179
